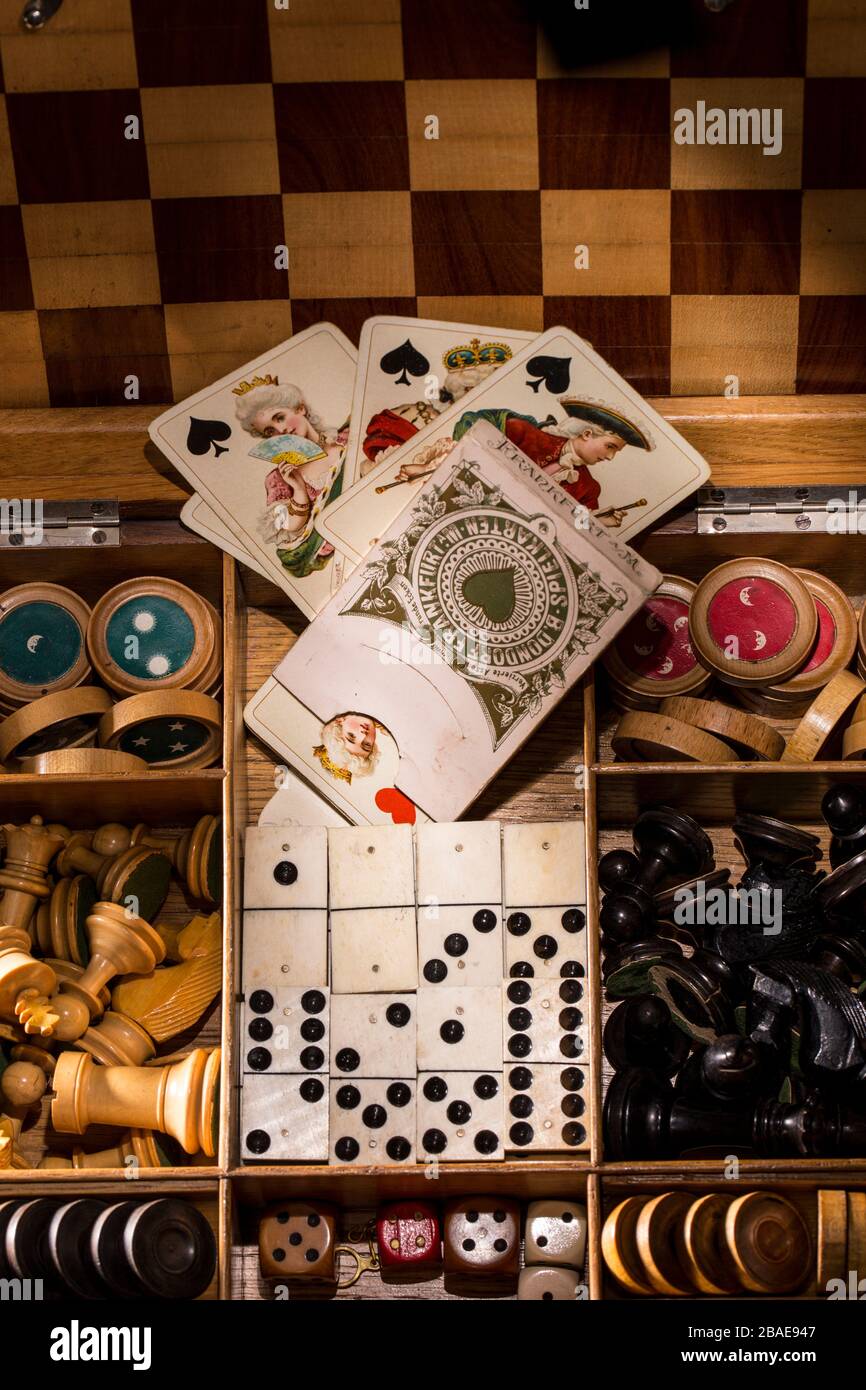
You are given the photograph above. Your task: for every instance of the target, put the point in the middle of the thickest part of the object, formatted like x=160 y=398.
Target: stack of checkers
x=676 y=1244
x=126 y=686
x=841 y=1241
x=778 y=641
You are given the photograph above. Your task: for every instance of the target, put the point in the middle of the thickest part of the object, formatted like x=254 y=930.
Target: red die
x=409 y=1238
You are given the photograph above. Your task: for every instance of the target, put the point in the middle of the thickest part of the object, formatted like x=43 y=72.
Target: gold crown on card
x=476 y=354
x=245 y=386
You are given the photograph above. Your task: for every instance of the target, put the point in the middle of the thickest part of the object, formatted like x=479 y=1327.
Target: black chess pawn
x=766 y=840
x=844 y=810
x=731 y=1071
x=644 y=1119
x=631 y=943
x=640 y=1033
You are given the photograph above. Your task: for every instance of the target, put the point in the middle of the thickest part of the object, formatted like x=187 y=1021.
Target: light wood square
x=833 y=237
x=91 y=255
x=488 y=134
x=739 y=166
x=836 y=42
x=335 y=42
x=752 y=337
x=626 y=233
x=345 y=245
x=217 y=141
x=87 y=46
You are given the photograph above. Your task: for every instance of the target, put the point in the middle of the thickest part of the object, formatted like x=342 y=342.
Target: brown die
x=296 y=1241
x=482 y=1237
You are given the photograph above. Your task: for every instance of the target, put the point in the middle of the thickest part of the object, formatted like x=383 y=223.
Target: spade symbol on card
x=555 y=372
x=405 y=360
x=204 y=433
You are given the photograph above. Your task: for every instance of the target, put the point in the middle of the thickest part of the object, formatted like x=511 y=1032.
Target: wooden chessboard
x=304 y=127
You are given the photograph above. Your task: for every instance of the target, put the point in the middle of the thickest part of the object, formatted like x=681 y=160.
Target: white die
x=460 y=1116
x=372 y=1122
x=555 y=1233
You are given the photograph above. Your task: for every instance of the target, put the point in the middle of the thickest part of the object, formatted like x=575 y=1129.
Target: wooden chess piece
x=25 y=984
x=29 y=850
x=180 y=1100
x=123 y=872
x=137 y=1148
x=168 y=1001
x=60 y=921
x=117 y=1041
x=10 y=1131
x=23 y=1084
x=195 y=854
x=120 y=944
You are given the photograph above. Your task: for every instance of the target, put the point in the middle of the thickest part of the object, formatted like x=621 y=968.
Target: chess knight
x=308 y=468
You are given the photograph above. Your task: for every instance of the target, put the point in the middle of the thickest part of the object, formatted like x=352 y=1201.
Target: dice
x=481 y=1238
x=555 y=1233
x=548 y=1284
x=460 y=1115
x=372 y=1122
x=297 y=1241
x=409 y=1238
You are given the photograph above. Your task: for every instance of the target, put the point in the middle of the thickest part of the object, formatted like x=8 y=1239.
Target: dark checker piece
x=171 y=1247
x=27 y=1240
x=109 y=1256
x=69 y=1245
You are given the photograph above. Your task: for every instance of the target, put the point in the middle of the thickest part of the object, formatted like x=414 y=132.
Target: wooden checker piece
x=832 y=1259
x=835 y=644
x=653 y=656
x=150 y=633
x=660 y=1243
x=704 y=1251
x=620 y=1249
x=769 y=1242
x=749 y=737
x=82 y=762
x=657 y=738
x=42 y=642
x=171 y=1248
x=854 y=738
x=856 y=1258
x=753 y=622
x=170 y=729
x=66 y=719
x=71 y=902
x=861 y=638
x=823 y=718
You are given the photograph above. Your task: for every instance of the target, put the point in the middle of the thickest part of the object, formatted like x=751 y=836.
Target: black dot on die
x=484 y=920
x=486 y=1142
x=435 y=971
x=312 y=1030
x=519 y=923
x=314 y=1219
x=500 y=1245
x=286 y=872
x=435 y=1088
x=348 y=1097
x=311 y=1256
x=312 y=1089
x=521 y=1107
x=313 y=1001
x=566 y=1216
x=459 y=1112
x=259 y=1059
x=347 y=1059
x=261 y=1001
x=278 y=1255
x=452 y=1031
x=398 y=1015
x=347 y=1149
x=545 y=947
x=399 y=1093
x=520 y=1078
x=542 y=1241
x=521 y=1134
x=456 y=944
x=295 y=1238
x=374 y=1116
x=312 y=1059
x=260 y=1029
x=282 y=1217
x=485 y=1087
x=258 y=1142
x=469 y=1245
x=434 y=1141
x=499 y=1217
x=398 y=1148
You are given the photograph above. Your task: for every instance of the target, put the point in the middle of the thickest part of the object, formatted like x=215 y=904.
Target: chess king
x=590 y=434
x=349 y=748
x=466 y=366
x=308 y=468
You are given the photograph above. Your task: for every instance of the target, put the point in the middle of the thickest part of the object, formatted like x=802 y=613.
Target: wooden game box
x=566 y=769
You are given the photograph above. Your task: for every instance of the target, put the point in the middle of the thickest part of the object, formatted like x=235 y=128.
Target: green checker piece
x=150 y=637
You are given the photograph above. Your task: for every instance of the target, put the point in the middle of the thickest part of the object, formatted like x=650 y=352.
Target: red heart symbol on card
x=401 y=810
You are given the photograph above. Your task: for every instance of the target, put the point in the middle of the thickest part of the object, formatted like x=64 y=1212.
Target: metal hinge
x=33 y=524
x=827 y=509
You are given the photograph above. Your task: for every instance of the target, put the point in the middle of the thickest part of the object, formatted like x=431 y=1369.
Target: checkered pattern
x=260 y=127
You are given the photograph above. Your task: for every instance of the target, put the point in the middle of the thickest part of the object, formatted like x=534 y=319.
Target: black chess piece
x=701 y=992
x=773 y=913
x=844 y=956
x=844 y=810
x=813 y=1129
x=69 y=1247
x=618 y=869
x=829 y=1018
x=643 y=1119
x=632 y=943
x=731 y=1071
x=766 y=840
x=640 y=1032
x=171 y=1248
x=670 y=846
x=841 y=896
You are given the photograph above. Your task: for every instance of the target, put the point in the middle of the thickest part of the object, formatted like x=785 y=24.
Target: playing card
x=352 y=763
x=265 y=449
x=485 y=601
x=561 y=404
x=199 y=517
x=296 y=803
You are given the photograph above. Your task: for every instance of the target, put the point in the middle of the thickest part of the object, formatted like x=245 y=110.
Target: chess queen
x=307 y=473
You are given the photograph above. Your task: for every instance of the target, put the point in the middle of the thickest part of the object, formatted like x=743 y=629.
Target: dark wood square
x=348 y=314
x=70 y=146
x=185 y=43
x=735 y=241
x=219 y=248
x=341 y=136
x=477 y=243
x=631 y=332
x=596 y=133
x=15 y=289
x=832 y=343
x=89 y=353
x=834 y=119
x=468 y=38
x=751 y=38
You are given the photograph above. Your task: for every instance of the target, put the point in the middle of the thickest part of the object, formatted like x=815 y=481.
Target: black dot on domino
x=435 y=1088
x=435 y=972
x=399 y=1093
x=261 y=1001
x=260 y=1029
x=520 y=1078
x=313 y=1001
x=398 y=1148
x=311 y=1090
x=456 y=944
x=347 y=1149
x=452 y=1031
x=258 y=1142
x=286 y=872
x=348 y=1097
x=259 y=1059
x=486 y=1087
x=347 y=1059
x=519 y=923
x=459 y=1112
x=434 y=1141
x=398 y=1015
x=374 y=1116
x=484 y=920
x=312 y=1059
